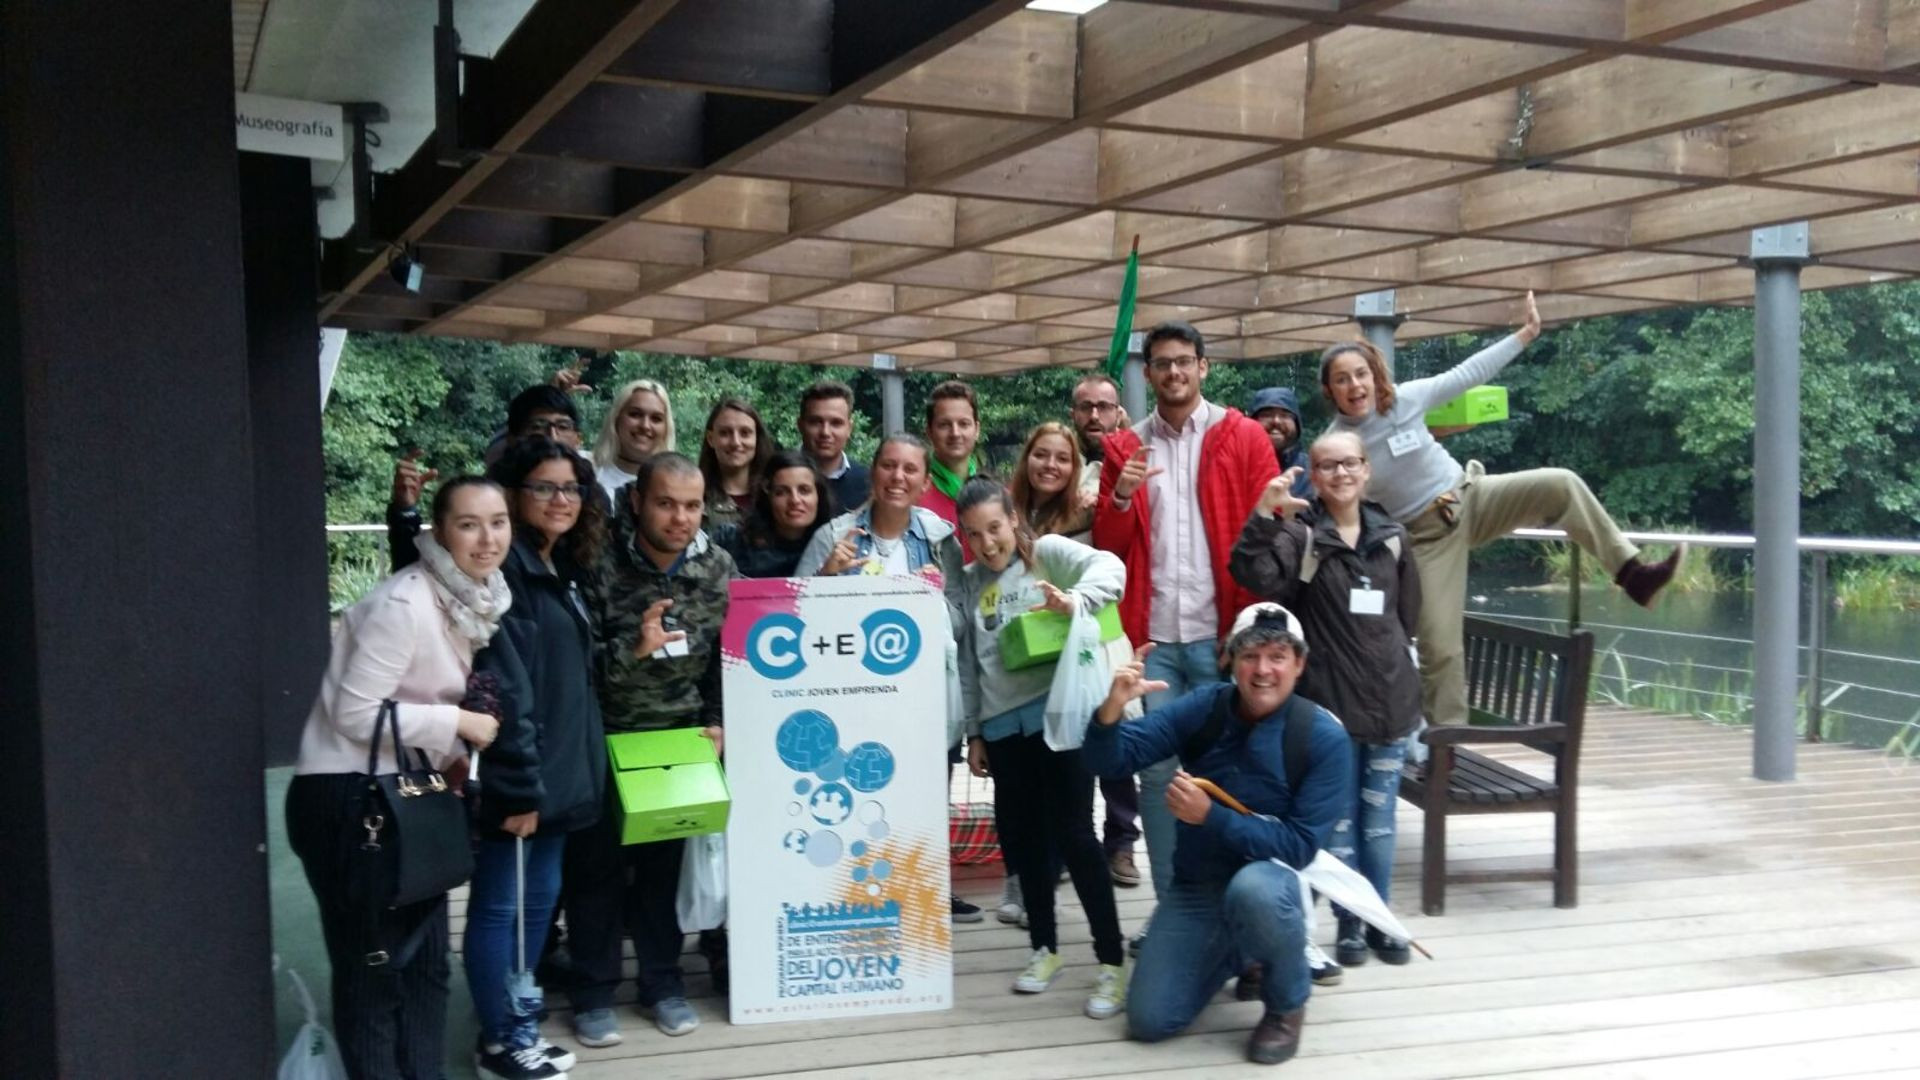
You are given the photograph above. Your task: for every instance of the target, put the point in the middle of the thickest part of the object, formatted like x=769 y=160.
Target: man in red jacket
x=1175 y=491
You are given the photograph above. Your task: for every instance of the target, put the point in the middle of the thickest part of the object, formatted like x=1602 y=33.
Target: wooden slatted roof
x=957 y=182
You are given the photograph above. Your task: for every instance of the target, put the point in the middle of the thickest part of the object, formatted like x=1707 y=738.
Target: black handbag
x=414 y=843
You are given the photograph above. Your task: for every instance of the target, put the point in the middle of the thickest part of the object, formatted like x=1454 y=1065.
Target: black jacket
x=851 y=489
x=551 y=750
x=776 y=558
x=1358 y=666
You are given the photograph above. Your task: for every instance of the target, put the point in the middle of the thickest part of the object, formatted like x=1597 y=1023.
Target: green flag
x=1123 y=322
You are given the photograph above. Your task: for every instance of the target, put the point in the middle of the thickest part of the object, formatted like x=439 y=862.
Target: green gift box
x=1036 y=637
x=1480 y=405
x=670 y=784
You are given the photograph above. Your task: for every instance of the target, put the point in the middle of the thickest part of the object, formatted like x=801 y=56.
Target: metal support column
x=1778 y=253
x=1374 y=312
x=893 y=397
x=1133 y=381
x=1816 y=644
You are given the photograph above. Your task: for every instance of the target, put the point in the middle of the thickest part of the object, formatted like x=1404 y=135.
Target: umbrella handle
x=520 y=902
x=1219 y=796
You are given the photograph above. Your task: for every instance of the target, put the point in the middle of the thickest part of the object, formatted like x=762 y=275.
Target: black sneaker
x=1389 y=950
x=964 y=912
x=1351 y=951
x=1134 y=942
x=531 y=1063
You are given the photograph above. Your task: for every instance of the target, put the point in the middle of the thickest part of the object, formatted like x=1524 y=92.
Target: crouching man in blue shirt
x=1287 y=760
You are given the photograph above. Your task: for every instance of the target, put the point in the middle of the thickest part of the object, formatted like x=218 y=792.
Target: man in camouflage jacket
x=657 y=601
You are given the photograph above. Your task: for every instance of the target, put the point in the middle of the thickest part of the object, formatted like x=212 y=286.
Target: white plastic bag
x=314 y=1055
x=702 y=898
x=956 y=707
x=1081 y=678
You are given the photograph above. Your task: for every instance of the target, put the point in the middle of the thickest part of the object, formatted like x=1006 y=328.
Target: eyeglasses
x=546 y=492
x=1347 y=465
x=557 y=426
x=1087 y=408
x=1164 y=364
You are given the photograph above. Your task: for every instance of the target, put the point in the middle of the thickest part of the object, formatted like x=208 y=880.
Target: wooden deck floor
x=1726 y=928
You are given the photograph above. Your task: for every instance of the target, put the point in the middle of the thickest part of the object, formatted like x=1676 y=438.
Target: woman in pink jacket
x=410 y=641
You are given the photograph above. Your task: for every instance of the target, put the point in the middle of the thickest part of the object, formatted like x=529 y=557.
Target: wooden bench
x=1524 y=687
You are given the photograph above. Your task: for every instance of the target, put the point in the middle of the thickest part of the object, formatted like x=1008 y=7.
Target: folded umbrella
x=1335 y=880
x=524 y=997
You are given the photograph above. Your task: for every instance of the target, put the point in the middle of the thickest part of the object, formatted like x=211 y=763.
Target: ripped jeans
x=1364 y=838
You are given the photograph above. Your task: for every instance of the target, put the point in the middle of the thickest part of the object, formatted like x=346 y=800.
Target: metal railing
x=1818 y=548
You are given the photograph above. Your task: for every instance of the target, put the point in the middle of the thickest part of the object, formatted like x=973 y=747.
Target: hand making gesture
x=1130 y=683
x=1278 y=499
x=654 y=634
x=844 y=554
x=1134 y=473
x=1530 y=329
x=1058 y=600
x=408 y=480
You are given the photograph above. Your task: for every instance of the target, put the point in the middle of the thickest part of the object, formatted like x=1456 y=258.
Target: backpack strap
x=1309 y=562
x=1296 y=746
x=1202 y=740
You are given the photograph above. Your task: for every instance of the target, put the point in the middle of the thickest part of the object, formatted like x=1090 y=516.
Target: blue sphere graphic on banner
x=806 y=740
x=869 y=767
x=830 y=804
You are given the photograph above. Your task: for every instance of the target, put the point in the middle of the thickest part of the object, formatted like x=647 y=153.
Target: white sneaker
x=1109 y=992
x=1011 y=910
x=1041 y=971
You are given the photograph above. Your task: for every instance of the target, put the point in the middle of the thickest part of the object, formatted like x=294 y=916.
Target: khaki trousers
x=1491 y=507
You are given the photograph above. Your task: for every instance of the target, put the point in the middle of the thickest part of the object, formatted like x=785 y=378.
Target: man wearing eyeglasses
x=1096 y=414
x=1175 y=489
x=544 y=411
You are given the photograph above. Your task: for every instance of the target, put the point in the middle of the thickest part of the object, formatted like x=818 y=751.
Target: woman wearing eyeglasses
x=1346 y=569
x=542 y=787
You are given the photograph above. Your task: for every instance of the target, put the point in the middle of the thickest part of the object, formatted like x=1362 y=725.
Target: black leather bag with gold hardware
x=413 y=841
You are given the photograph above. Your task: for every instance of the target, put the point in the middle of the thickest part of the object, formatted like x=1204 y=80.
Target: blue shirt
x=1248 y=761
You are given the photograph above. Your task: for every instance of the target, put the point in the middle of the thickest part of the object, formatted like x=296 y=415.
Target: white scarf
x=474 y=606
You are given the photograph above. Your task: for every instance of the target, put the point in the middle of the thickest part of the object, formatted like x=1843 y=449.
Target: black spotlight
x=406 y=270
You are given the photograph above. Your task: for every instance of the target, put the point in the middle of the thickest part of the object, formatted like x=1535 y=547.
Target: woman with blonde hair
x=639 y=424
x=1046 y=484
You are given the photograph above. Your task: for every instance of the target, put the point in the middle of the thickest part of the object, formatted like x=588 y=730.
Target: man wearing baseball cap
x=1285 y=759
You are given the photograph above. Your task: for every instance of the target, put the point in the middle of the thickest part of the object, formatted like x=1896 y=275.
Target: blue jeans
x=1364 y=838
x=490 y=918
x=1184 y=668
x=1204 y=933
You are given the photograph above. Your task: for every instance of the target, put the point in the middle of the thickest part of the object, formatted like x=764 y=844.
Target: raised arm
x=1096 y=577
x=1266 y=558
x=1483 y=365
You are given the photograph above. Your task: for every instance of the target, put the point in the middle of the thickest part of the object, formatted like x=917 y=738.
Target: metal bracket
x=360 y=114
x=448 y=149
x=1376 y=307
x=1780 y=244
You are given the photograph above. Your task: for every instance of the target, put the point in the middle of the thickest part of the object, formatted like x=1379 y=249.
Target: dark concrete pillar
x=133 y=914
x=278 y=239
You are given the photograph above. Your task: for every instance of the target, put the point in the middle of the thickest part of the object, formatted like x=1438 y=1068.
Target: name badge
x=1366 y=601
x=672 y=648
x=1403 y=442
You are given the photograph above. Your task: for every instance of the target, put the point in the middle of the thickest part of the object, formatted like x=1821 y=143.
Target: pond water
x=1693 y=652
